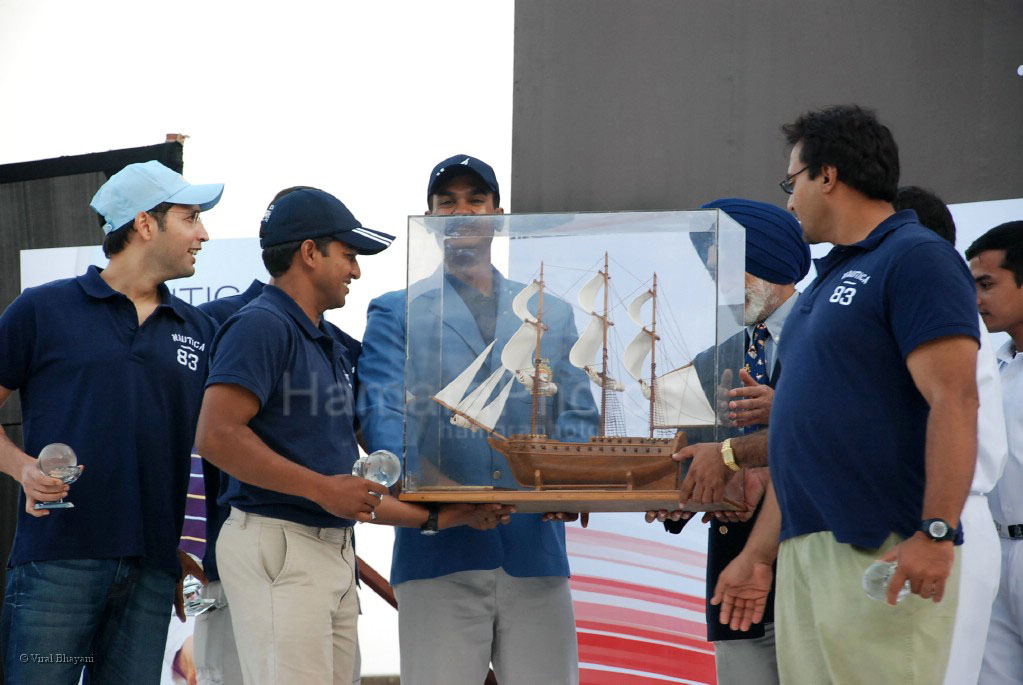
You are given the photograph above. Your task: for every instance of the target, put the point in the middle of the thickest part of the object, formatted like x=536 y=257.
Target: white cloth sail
x=522 y=299
x=636 y=353
x=516 y=357
x=584 y=351
x=642 y=344
x=489 y=415
x=588 y=293
x=452 y=393
x=517 y=354
x=680 y=399
x=583 y=354
x=636 y=307
x=476 y=400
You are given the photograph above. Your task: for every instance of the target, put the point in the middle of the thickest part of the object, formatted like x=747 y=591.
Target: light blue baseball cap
x=142 y=186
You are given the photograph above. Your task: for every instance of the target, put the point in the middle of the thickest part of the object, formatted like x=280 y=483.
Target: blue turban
x=775 y=250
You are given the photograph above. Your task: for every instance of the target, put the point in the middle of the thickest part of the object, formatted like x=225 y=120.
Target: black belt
x=1013 y=532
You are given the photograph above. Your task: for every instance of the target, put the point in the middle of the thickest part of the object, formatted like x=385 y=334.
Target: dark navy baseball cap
x=311 y=213
x=460 y=164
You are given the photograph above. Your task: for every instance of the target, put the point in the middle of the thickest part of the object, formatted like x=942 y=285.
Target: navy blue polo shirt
x=220 y=310
x=125 y=397
x=302 y=376
x=848 y=424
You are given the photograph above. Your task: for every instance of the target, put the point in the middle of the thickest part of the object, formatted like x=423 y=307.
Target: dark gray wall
x=653 y=104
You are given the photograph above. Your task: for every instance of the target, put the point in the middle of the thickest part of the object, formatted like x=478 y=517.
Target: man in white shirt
x=996 y=262
x=981 y=552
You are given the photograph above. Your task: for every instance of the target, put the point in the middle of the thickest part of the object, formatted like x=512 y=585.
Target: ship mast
x=603 y=373
x=653 y=346
x=536 y=357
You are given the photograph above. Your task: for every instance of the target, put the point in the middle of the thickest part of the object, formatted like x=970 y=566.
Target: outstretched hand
x=742 y=590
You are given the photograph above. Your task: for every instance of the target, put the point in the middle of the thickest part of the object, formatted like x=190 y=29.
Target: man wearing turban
x=776 y=259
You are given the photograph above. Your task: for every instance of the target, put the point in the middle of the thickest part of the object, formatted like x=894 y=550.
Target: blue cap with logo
x=140 y=187
x=775 y=249
x=310 y=213
x=461 y=164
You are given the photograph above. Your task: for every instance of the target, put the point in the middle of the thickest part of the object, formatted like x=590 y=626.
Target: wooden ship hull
x=609 y=462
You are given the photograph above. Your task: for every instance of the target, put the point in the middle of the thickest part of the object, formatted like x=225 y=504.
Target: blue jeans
x=109 y=615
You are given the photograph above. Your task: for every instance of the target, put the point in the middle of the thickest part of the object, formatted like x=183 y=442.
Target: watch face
x=937 y=529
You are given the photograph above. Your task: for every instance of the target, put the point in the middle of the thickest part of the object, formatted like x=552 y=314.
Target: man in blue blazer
x=468 y=598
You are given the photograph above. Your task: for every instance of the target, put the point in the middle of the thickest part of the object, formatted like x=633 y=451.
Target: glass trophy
x=59 y=461
x=381 y=467
x=195 y=602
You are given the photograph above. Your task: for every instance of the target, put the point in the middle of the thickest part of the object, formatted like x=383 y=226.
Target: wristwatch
x=430 y=527
x=938 y=530
x=728 y=456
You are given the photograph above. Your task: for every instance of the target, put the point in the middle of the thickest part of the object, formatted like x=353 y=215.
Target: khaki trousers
x=829 y=631
x=291 y=589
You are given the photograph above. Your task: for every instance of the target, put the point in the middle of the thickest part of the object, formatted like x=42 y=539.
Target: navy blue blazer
x=726 y=540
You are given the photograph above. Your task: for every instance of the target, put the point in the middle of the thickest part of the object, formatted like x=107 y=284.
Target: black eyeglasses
x=789 y=183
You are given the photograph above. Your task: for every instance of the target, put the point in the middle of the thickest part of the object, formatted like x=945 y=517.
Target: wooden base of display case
x=575 y=500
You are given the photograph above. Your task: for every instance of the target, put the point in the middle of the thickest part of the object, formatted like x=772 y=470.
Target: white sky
x=358 y=98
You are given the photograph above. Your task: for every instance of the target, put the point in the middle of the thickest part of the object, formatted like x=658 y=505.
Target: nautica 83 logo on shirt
x=845 y=293
x=188 y=350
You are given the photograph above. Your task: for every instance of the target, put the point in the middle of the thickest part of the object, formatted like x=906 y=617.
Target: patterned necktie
x=756 y=362
x=756 y=354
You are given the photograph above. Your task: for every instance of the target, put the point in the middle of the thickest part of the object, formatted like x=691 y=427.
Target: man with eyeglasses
x=113 y=365
x=873 y=434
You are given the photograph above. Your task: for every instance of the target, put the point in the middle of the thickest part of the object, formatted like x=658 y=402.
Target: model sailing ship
x=676 y=400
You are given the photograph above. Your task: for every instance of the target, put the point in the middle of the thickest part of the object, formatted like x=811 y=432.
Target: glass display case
x=557 y=361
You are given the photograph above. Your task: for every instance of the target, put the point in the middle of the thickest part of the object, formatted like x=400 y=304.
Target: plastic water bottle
x=876 y=579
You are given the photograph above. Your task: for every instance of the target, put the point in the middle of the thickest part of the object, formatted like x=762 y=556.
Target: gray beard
x=759 y=302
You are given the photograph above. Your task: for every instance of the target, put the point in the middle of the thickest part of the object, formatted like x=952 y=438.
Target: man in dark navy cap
x=278 y=420
x=469 y=598
x=113 y=365
x=776 y=259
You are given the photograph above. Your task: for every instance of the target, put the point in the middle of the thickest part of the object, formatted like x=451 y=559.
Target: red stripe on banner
x=680 y=639
x=590 y=611
x=618 y=588
x=589 y=536
x=617 y=559
x=646 y=658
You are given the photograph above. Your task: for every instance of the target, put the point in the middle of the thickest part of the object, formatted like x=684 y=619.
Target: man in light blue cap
x=113 y=365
